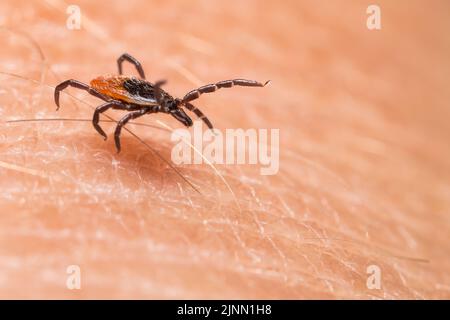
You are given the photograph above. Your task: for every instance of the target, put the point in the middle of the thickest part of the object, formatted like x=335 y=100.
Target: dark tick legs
x=129 y=116
x=78 y=85
x=165 y=103
x=194 y=94
x=132 y=60
x=102 y=108
x=199 y=114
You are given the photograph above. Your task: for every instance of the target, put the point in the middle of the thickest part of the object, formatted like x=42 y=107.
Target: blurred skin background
x=364 y=152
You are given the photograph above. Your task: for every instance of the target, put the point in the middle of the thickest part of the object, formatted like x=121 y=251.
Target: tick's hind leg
x=130 y=116
x=199 y=114
x=131 y=60
x=102 y=108
x=76 y=84
x=196 y=93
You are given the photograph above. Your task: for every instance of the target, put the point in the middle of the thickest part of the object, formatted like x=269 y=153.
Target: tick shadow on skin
x=136 y=164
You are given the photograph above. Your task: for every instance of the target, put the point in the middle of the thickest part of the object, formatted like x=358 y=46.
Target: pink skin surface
x=364 y=158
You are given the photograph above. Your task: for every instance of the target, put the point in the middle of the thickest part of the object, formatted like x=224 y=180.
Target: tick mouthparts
x=267 y=82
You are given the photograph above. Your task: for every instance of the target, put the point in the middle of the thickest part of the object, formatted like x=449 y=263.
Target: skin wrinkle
x=362 y=171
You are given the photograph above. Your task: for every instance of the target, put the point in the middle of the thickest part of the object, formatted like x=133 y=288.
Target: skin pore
x=364 y=171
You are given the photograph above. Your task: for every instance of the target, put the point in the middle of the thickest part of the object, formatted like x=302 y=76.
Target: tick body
x=140 y=97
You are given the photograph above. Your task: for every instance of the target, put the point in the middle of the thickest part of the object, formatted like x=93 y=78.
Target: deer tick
x=141 y=97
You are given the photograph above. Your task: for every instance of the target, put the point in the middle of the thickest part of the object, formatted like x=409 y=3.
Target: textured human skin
x=364 y=158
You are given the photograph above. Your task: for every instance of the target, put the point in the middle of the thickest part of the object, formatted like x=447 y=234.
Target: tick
x=141 y=97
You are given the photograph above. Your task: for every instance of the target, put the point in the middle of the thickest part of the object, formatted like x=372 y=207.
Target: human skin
x=364 y=157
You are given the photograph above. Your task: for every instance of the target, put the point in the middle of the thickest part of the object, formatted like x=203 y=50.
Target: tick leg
x=130 y=116
x=132 y=60
x=76 y=84
x=102 y=108
x=196 y=93
x=199 y=114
